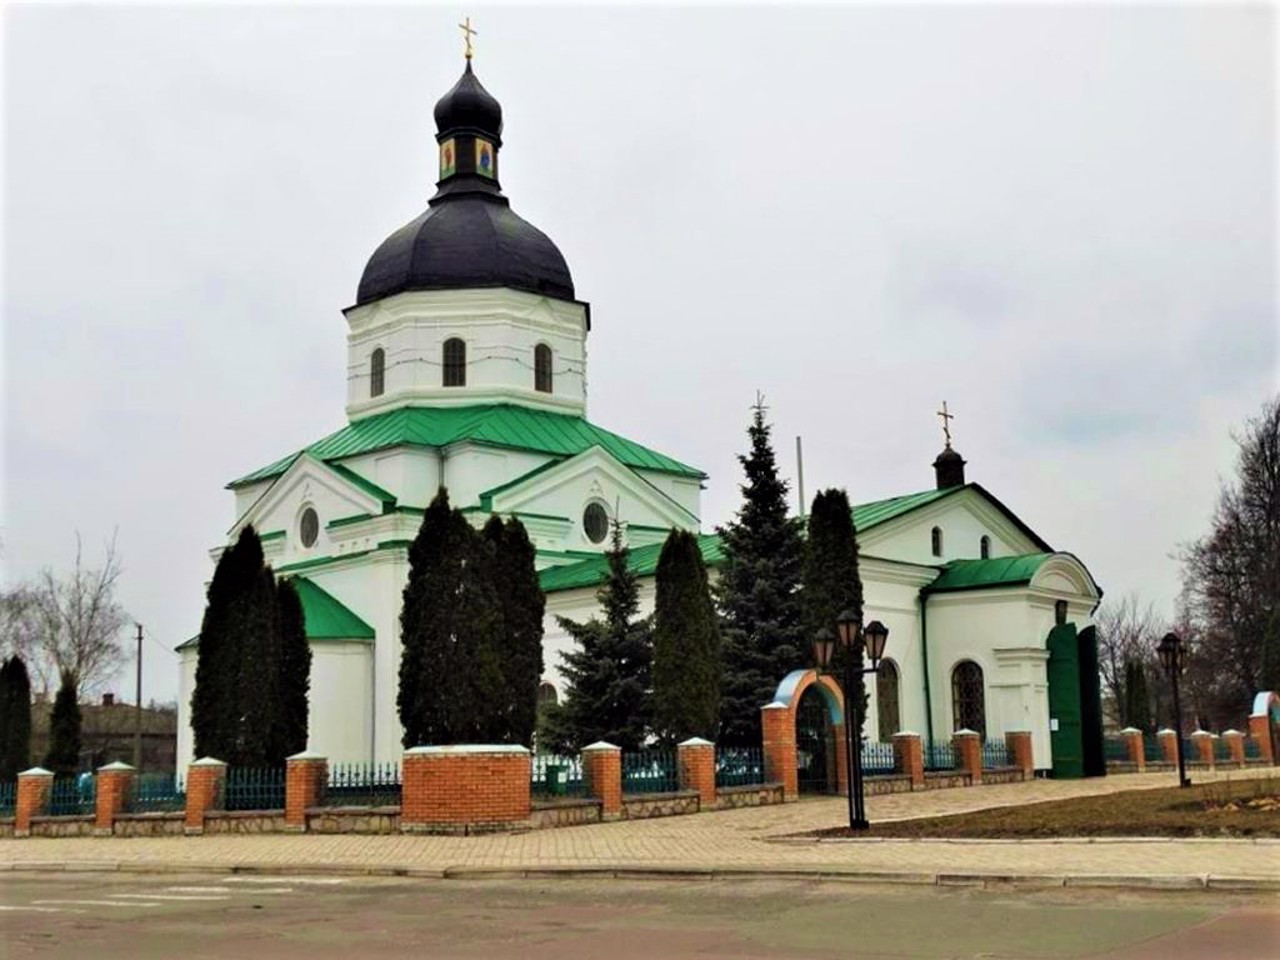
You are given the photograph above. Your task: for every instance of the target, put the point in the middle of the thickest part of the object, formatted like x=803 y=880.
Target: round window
x=595 y=522
x=309 y=528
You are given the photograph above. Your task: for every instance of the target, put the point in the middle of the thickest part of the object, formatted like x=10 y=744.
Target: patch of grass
x=1241 y=808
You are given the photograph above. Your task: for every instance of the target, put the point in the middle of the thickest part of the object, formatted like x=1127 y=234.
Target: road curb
x=1145 y=882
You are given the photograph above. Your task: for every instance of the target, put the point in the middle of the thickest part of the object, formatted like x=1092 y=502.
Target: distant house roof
x=498 y=425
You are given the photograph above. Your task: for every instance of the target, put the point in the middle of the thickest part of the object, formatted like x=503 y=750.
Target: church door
x=1064 y=702
x=1095 y=761
x=813 y=732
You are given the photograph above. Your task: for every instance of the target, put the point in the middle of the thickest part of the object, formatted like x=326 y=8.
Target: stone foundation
x=353 y=820
x=149 y=824
x=564 y=813
x=643 y=806
x=761 y=795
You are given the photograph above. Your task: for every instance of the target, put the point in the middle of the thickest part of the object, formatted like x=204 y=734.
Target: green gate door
x=1095 y=761
x=813 y=731
x=1064 y=702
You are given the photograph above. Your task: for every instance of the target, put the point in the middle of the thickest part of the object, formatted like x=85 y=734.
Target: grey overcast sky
x=1059 y=219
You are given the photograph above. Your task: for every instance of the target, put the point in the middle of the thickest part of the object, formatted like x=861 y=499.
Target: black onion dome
x=469 y=106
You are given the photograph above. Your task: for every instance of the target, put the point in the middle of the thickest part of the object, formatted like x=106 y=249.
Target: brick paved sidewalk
x=733 y=839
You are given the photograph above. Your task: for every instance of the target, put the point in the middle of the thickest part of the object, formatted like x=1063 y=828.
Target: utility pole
x=800 y=477
x=137 y=731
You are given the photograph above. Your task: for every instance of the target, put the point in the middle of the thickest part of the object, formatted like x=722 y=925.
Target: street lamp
x=1172 y=658
x=847 y=637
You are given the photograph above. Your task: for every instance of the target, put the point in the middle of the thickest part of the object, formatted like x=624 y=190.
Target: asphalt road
x=139 y=917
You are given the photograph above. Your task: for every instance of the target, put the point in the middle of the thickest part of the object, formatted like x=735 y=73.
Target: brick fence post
x=465 y=788
x=1134 y=748
x=1018 y=743
x=34 y=786
x=306 y=775
x=115 y=789
x=696 y=763
x=1168 y=745
x=968 y=747
x=1260 y=732
x=1202 y=744
x=206 y=783
x=908 y=757
x=1234 y=740
x=602 y=777
x=779 y=729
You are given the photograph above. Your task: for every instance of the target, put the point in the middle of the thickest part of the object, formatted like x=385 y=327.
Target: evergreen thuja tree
x=63 y=757
x=295 y=669
x=758 y=592
x=1137 y=707
x=523 y=606
x=607 y=675
x=213 y=702
x=686 y=644
x=15 y=718
x=832 y=583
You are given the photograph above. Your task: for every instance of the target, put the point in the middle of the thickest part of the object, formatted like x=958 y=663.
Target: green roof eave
x=497 y=425
x=385 y=498
x=326 y=617
x=985 y=574
x=642 y=561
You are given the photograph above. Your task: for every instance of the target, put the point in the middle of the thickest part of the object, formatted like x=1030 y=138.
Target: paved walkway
x=742 y=840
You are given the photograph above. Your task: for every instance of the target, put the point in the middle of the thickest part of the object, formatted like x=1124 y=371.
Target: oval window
x=595 y=522
x=309 y=528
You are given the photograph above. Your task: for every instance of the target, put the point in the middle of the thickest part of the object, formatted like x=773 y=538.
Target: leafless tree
x=1128 y=631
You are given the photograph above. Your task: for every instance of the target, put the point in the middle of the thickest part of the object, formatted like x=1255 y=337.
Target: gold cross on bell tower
x=467 y=32
x=946 y=418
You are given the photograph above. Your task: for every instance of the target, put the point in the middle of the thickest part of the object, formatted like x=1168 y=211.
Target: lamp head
x=876 y=636
x=824 y=644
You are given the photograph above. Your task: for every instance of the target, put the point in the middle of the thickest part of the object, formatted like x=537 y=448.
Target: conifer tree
x=832 y=583
x=15 y=718
x=758 y=592
x=608 y=674
x=523 y=606
x=686 y=644
x=295 y=669
x=213 y=702
x=1137 y=697
x=63 y=757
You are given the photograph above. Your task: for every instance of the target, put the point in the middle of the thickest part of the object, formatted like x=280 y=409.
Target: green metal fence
x=739 y=766
x=8 y=797
x=1252 y=749
x=939 y=756
x=555 y=776
x=877 y=758
x=158 y=793
x=73 y=796
x=649 y=771
x=1221 y=749
x=255 y=788
x=1151 y=750
x=363 y=785
x=995 y=755
x=1115 y=748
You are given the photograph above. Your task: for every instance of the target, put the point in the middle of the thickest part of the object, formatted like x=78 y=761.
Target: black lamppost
x=1172 y=658
x=846 y=638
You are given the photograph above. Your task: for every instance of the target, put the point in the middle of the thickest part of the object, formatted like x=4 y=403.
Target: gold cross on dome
x=946 y=426
x=467 y=32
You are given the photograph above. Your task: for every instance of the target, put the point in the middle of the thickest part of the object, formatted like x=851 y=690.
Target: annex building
x=467 y=368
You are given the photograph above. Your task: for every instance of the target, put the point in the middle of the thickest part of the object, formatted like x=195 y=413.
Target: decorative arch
x=778 y=722
x=795 y=683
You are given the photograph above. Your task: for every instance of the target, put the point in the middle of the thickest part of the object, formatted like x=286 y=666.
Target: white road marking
x=197 y=889
x=316 y=881
x=40 y=909
x=167 y=896
x=99 y=903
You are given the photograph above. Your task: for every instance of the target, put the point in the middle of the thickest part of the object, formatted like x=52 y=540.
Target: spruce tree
x=686 y=644
x=608 y=674
x=758 y=592
x=523 y=606
x=832 y=583
x=15 y=718
x=295 y=669
x=63 y=757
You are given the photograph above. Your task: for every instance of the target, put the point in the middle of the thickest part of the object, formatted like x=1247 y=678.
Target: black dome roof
x=470 y=241
x=469 y=106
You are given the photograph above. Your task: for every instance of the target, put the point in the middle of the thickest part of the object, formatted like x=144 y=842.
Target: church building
x=467 y=369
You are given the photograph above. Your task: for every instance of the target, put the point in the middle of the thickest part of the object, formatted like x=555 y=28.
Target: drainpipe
x=924 y=658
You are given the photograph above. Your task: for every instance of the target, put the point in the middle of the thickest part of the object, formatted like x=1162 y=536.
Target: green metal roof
x=867 y=515
x=994 y=572
x=499 y=425
x=326 y=618
x=642 y=561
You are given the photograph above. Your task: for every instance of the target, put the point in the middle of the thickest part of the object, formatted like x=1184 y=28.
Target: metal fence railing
x=363 y=785
x=158 y=793
x=73 y=796
x=8 y=797
x=995 y=754
x=1115 y=748
x=555 y=776
x=649 y=771
x=739 y=766
x=1189 y=752
x=877 y=758
x=255 y=788
x=1152 y=752
x=939 y=756
x=1222 y=749
x=1252 y=749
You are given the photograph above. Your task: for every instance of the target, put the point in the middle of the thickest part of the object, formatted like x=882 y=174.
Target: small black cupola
x=469 y=132
x=948 y=467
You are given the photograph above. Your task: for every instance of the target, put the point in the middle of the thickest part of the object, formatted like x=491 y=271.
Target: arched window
x=887 y=699
x=984 y=547
x=542 y=368
x=547 y=694
x=936 y=538
x=968 y=710
x=377 y=372
x=455 y=362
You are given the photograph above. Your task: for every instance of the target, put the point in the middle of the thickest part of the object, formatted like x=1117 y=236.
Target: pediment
x=964 y=518
x=308 y=482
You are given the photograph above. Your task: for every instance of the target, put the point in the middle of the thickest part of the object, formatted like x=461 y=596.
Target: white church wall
x=472 y=469
x=501 y=329
x=964 y=518
x=248 y=495
x=410 y=474
x=339 y=711
x=186 y=686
